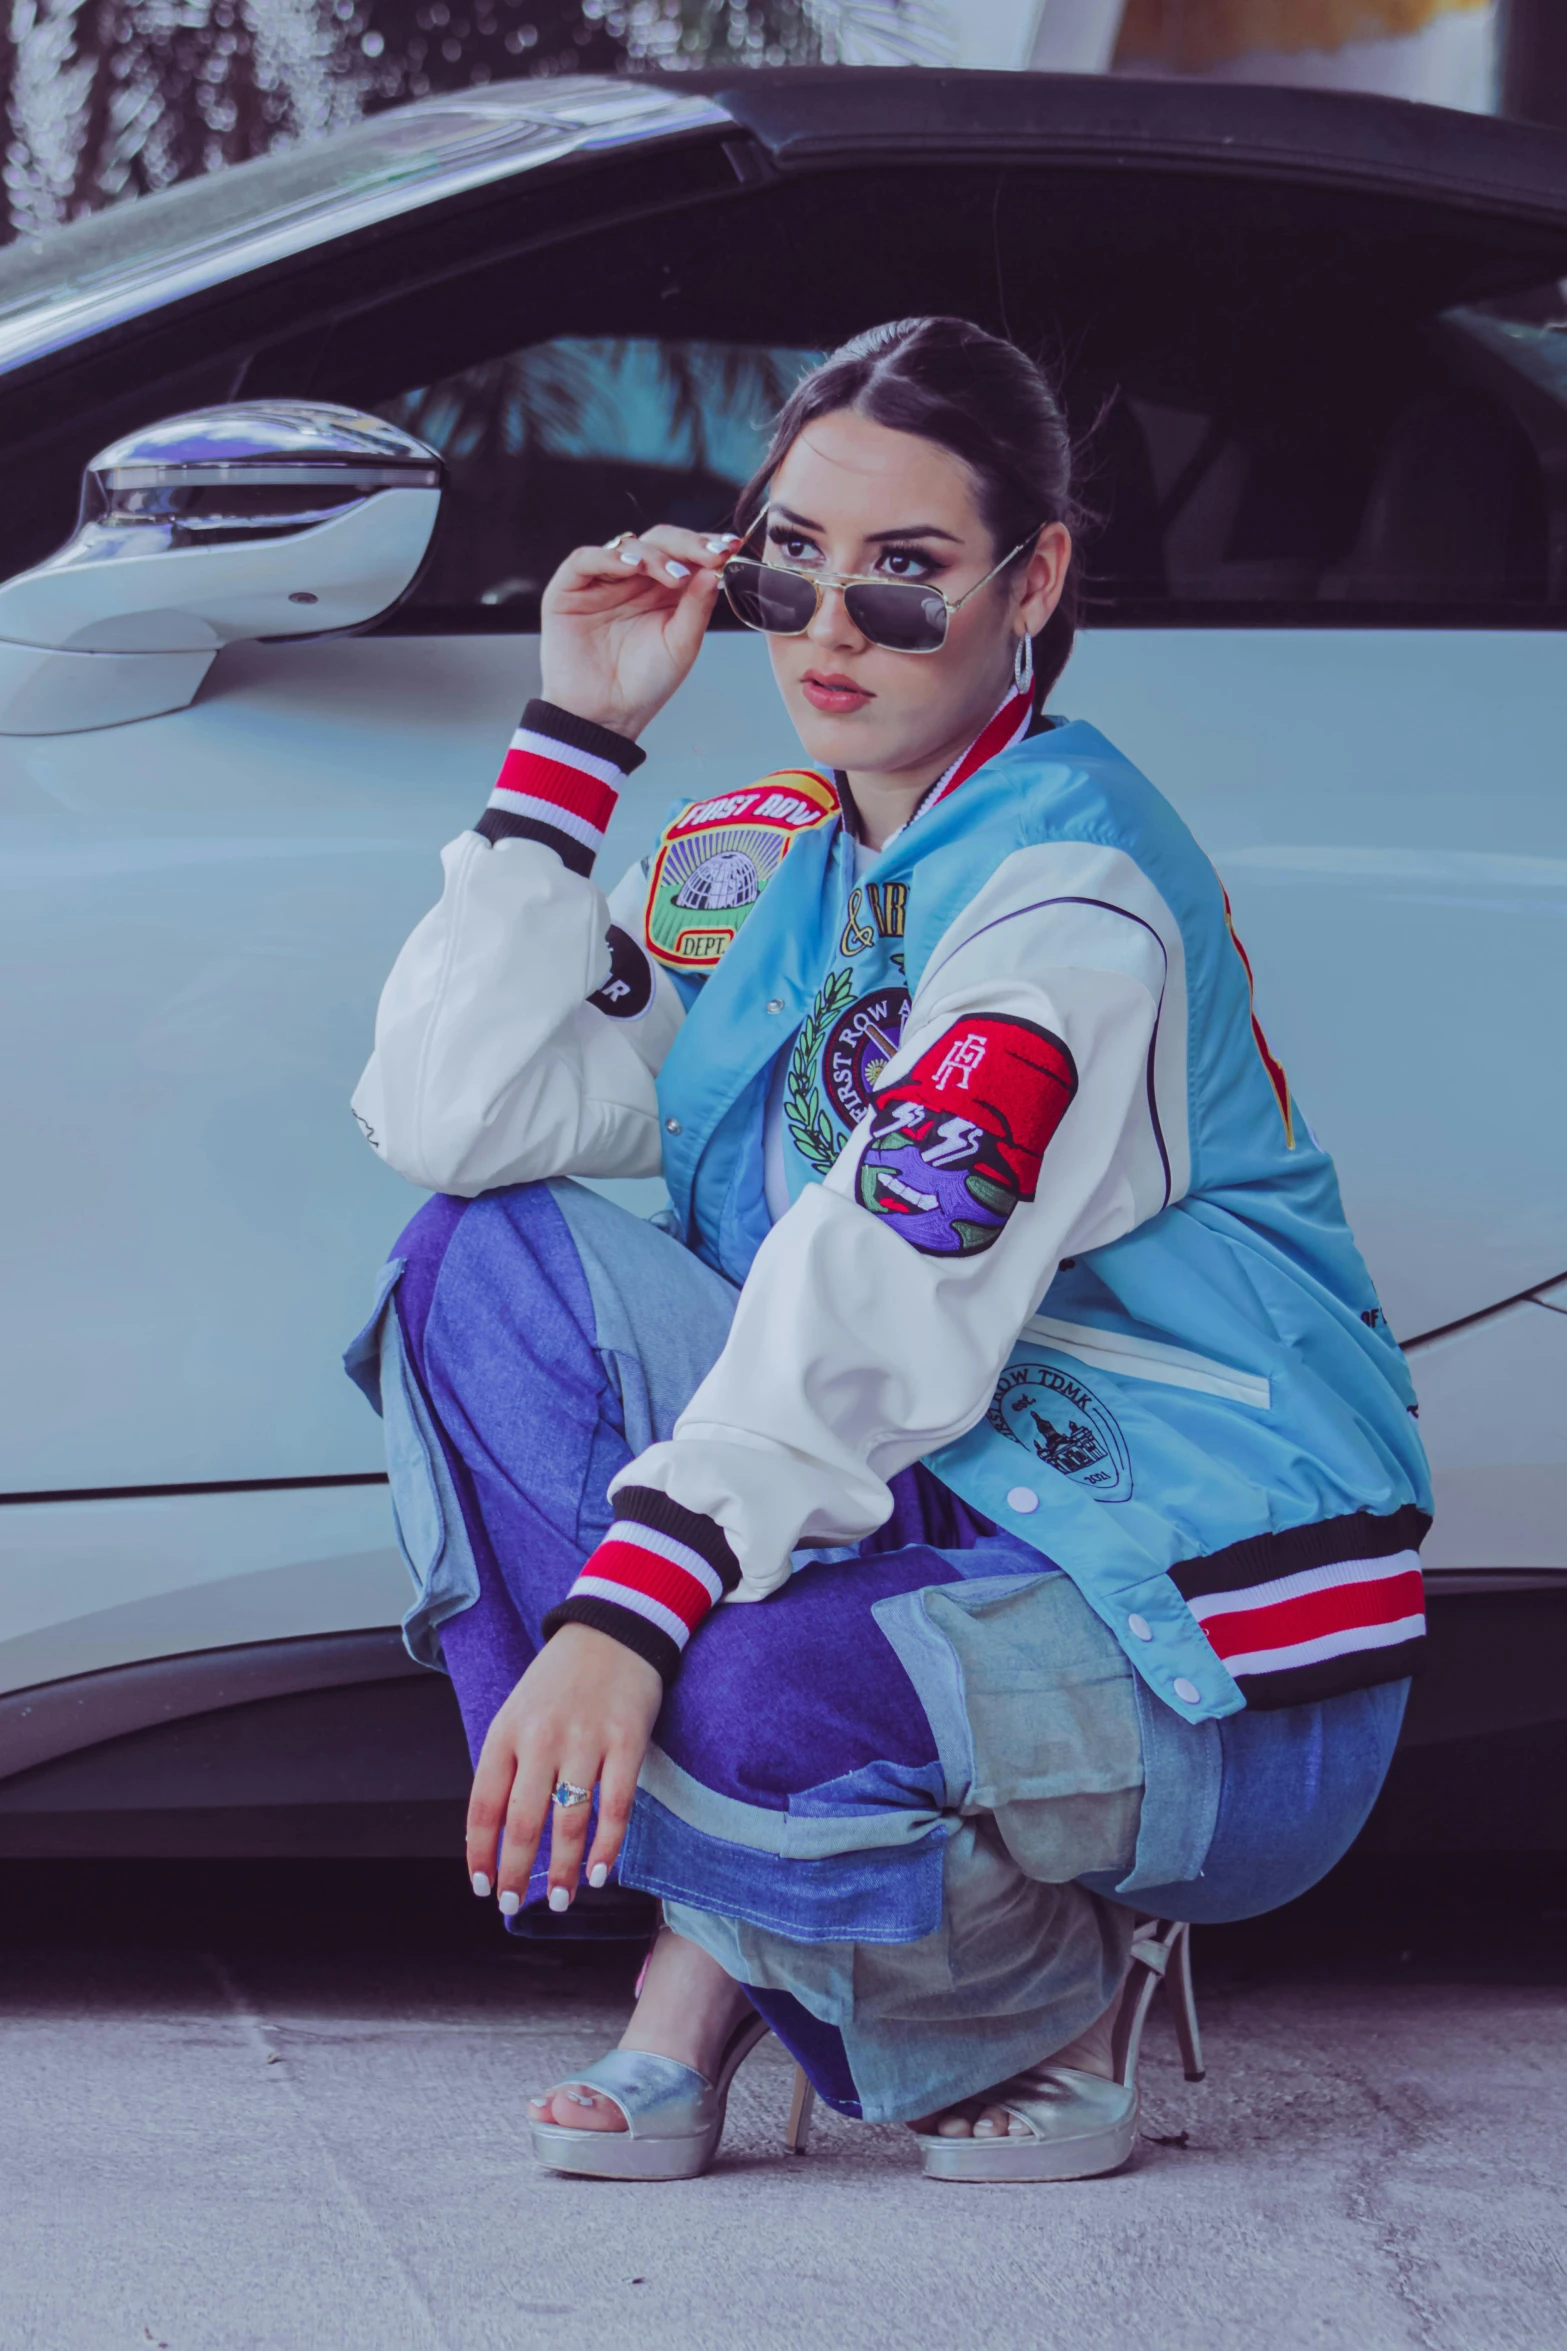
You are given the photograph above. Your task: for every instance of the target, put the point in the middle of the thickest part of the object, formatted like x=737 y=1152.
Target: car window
x=567 y=442
x=1429 y=477
x=1430 y=482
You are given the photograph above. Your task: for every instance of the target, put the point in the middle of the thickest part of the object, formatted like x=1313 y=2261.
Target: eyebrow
x=923 y=530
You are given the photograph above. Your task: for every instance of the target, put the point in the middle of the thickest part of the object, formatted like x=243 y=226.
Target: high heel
x=1078 y=2125
x=797 y=2133
x=674 y=2115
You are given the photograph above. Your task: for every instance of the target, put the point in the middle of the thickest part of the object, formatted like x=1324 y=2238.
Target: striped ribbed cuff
x=558 y=784
x=652 y=1579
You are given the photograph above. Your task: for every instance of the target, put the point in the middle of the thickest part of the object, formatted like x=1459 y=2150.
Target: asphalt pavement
x=269 y=2108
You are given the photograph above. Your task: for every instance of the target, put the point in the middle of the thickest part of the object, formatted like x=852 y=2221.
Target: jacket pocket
x=1147 y=1359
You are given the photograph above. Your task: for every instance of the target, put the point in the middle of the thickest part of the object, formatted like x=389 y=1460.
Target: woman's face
x=856 y=497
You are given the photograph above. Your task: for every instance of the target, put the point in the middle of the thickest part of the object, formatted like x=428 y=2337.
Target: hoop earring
x=1023 y=665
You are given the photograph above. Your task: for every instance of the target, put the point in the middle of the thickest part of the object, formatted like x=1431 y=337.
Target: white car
x=242 y=707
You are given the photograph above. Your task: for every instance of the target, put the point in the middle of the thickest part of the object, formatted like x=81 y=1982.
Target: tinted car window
x=1300 y=405
x=568 y=442
x=1431 y=481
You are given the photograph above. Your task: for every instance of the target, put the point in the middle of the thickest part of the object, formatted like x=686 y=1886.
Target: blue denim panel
x=872 y=1792
x=1182 y=1773
x=660 y=1316
x=1298 y=1783
x=889 y=1895
x=800 y=1688
x=426 y=1515
x=805 y=1835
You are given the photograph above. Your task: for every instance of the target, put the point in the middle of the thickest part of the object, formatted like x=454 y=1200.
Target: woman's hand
x=622 y=625
x=584 y=1712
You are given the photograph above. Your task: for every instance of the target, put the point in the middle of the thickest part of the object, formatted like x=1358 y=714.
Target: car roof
x=136 y=258
x=807 y=116
x=60 y=289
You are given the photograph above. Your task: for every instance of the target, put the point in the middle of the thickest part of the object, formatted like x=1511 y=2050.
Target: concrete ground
x=280 y=2122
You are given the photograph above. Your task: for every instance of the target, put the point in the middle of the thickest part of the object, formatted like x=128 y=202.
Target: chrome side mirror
x=266 y=518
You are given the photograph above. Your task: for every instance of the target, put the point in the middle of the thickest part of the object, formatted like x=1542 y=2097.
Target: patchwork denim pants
x=914 y=1800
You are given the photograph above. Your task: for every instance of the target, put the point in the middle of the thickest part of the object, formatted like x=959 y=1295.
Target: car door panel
x=85 y=1586
x=1386 y=809
x=1493 y=1413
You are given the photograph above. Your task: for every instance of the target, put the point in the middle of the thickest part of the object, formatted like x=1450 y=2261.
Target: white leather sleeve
x=853 y=1353
x=490 y=1065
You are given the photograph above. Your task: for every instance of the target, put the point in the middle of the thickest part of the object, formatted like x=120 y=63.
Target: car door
x=200 y=908
x=206 y=904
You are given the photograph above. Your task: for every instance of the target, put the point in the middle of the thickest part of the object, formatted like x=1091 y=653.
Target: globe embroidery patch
x=1054 y=1414
x=956 y=1142
x=844 y=1044
x=716 y=859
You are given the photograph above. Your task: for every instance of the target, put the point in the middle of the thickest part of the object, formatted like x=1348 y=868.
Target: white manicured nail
x=598 y=1875
x=510 y=1904
x=481 y=1884
x=559 y=1898
x=717 y=546
x=630 y=556
x=678 y=571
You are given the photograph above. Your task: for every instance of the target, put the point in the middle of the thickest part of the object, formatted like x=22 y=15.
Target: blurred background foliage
x=108 y=99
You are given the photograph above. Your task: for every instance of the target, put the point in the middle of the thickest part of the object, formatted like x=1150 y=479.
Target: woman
x=1004 y=1335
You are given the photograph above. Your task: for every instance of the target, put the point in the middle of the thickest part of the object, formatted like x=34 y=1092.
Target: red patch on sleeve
x=957 y=1142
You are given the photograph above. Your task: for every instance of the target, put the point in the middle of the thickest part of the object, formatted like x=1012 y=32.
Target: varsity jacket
x=1056 y=1226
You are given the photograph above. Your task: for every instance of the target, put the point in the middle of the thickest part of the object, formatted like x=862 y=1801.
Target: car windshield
x=55 y=289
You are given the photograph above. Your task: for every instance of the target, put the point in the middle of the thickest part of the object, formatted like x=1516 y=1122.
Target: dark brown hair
x=985 y=401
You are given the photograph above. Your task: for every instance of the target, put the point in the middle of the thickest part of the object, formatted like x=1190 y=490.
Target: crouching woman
x=1003 y=1361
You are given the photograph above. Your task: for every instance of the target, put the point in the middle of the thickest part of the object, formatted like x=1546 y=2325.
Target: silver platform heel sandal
x=674 y=2115
x=1078 y=2125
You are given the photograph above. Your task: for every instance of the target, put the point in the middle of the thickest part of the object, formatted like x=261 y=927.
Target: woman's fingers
x=568 y=1835
x=491 y=1793
x=526 y=1814
x=617 y=1788
x=677 y=553
x=665 y=556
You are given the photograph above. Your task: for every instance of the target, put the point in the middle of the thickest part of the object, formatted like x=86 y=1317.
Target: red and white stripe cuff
x=652 y=1579
x=558 y=785
x=1322 y=1613
x=1316 y=1610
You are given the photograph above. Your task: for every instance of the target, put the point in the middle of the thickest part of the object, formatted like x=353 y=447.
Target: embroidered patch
x=843 y=1045
x=628 y=991
x=716 y=859
x=1056 y=1416
x=957 y=1142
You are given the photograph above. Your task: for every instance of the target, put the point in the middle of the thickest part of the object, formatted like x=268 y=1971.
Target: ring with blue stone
x=568 y=1795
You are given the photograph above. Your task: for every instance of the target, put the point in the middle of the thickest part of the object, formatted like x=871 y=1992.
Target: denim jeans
x=913 y=1800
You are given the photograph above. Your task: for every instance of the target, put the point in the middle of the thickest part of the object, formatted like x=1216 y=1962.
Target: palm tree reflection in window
x=568 y=442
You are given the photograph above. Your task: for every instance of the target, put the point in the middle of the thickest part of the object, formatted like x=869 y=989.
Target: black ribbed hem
x=580 y=734
x=1362 y=1669
x=622 y=1625
x=496 y=824
x=645 y=1506
x=1261 y=1559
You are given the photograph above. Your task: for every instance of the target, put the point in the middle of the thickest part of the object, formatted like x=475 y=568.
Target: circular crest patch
x=1052 y=1413
x=844 y=1044
x=859 y=1046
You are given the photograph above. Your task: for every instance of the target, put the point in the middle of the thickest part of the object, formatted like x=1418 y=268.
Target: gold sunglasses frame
x=867 y=579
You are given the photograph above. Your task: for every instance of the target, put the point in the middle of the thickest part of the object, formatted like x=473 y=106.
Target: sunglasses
x=901 y=616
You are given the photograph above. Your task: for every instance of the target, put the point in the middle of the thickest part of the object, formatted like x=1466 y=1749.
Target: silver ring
x=568 y=1796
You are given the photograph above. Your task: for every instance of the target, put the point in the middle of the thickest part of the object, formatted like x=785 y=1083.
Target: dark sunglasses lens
x=897 y=614
x=764 y=597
